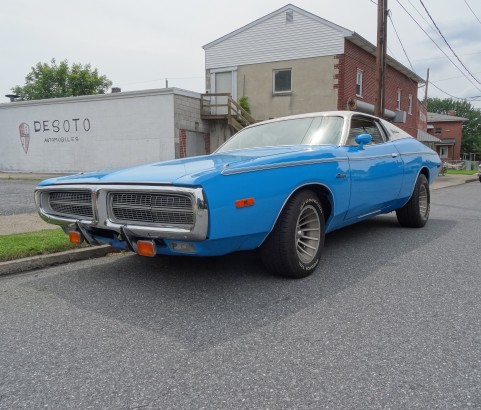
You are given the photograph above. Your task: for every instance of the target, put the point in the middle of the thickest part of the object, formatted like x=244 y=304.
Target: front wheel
x=415 y=213
x=294 y=246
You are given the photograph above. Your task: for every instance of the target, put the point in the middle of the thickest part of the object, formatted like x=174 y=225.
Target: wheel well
x=324 y=196
x=425 y=172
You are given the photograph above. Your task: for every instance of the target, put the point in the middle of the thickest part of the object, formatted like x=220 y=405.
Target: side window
x=281 y=81
x=364 y=125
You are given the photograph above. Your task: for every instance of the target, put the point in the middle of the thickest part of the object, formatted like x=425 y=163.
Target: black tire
x=415 y=213
x=289 y=250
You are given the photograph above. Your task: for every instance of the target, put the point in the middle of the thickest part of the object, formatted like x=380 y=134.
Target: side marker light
x=242 y=203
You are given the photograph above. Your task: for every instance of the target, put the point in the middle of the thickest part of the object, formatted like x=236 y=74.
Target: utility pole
x=382 y=14
x=426 y=90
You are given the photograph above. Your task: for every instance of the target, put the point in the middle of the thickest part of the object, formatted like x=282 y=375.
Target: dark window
x=282 y=82
x=438 y=130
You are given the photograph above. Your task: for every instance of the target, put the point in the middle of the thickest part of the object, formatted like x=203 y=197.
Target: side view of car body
x=279 y=186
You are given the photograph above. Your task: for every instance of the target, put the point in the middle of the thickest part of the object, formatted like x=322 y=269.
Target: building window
x=359 y=83
x=443 y=152
x=410 y=104
x=282 y=81
x=398 y=101
x=438 y=130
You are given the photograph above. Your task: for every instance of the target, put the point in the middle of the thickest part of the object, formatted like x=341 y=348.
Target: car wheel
x=294 y=246
x=415 y=213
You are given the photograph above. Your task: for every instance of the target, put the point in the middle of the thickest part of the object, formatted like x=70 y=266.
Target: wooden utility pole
x=426 y=90
x=381 y=56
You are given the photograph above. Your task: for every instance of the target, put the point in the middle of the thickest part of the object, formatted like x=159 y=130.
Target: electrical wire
x=449 y=58
x=469 y=7
x=400 y=42
x=446 y=41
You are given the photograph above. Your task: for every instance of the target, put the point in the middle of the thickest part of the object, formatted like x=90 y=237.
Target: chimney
x=452 y=112
x=116 y=90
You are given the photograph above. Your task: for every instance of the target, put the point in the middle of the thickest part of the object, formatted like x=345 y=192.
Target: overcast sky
x=139 y=44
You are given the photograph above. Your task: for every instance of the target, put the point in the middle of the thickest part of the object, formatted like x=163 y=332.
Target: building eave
x=371 y=49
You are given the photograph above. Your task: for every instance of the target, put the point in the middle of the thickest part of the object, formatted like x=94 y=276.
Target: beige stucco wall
x=313 y=81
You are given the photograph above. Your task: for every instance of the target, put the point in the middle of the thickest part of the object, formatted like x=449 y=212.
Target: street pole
x=426 y=90
x=381 y=57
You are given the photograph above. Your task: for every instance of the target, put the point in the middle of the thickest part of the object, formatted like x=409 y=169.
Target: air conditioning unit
x=400 y=117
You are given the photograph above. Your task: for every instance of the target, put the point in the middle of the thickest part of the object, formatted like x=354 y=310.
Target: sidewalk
x=31 y=222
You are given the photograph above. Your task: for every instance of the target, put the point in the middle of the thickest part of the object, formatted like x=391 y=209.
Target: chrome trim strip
x=390 y=155
x=102 y=220
x=283 y=165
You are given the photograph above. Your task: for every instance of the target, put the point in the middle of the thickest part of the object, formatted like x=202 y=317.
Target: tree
x=471 y=142
x=53 y=81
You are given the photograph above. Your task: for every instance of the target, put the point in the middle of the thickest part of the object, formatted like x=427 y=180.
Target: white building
x=102 y=131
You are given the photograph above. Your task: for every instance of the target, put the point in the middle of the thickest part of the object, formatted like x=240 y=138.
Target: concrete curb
x=43 y=261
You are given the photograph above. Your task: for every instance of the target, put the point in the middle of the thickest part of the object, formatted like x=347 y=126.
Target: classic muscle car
x=279 y=185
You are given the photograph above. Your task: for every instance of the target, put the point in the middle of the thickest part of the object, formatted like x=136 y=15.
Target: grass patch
x=460 y=172
x=23 y=245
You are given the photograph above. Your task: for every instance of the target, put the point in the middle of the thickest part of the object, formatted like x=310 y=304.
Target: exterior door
x=376 y=170
x=223 y=83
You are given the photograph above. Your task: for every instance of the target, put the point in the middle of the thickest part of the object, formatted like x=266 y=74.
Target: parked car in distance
x=279 y=186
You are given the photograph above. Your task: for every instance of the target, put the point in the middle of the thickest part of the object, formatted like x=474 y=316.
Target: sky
x=143 y=44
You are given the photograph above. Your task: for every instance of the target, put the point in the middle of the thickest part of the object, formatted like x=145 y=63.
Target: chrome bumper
x=102 y=220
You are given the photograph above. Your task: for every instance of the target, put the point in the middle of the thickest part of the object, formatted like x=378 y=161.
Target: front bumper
x=102 y=219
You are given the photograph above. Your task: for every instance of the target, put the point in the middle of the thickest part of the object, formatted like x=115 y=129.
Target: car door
x=376 y=169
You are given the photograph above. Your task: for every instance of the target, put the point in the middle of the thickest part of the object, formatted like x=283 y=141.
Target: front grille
x=72 y=204
x=146 y=208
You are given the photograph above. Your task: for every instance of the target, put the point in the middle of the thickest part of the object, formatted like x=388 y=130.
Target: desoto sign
x=63 y=130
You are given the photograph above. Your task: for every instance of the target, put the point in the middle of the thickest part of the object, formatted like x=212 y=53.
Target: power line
x=474 y=98
x=400 y=42
x=469 y=7
x=446 y=41
x=449 y=58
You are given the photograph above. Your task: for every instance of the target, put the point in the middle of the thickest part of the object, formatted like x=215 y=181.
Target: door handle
x=394 y=154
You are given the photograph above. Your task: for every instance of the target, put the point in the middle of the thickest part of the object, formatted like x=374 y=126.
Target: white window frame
x=398 y=101
x=410 y=104
x=359 y=79
x=274 y=82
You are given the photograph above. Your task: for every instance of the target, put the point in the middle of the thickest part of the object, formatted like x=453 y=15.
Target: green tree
x=53 y=81
x=471 y=142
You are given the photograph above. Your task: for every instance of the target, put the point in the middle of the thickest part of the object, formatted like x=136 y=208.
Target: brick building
x=448 y=129
x=292 y=62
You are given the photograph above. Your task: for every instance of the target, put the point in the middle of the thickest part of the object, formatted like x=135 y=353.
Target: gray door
x=223 y=84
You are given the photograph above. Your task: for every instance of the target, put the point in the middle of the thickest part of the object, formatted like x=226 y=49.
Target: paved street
x=391 y=319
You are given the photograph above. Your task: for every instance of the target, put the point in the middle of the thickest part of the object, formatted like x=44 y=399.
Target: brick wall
x=355 y=58
x=448 y=130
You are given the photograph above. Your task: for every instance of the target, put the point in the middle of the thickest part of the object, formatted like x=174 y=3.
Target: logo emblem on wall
x=24 y=130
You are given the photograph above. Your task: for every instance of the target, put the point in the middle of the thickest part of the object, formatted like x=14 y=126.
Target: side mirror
x=362 y=139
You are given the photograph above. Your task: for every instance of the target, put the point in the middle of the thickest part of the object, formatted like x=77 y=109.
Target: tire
x=294 y=246
x=415 y=213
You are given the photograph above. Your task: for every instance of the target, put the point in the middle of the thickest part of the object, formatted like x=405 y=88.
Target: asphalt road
x=391 y=319
x=17 y=197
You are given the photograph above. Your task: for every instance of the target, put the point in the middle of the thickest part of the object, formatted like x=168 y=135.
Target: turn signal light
x=75 y=237
x=146 y=248
x=242 y=203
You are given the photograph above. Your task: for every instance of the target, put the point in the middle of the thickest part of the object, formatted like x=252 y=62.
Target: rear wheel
x=294 y=246
x=415 y=213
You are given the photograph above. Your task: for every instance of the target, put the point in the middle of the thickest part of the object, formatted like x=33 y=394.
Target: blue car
x=278 y=186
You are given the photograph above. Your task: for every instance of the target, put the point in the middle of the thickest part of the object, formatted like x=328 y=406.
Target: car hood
x=191 y=171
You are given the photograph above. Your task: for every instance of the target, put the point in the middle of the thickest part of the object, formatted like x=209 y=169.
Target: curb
x=43 y=261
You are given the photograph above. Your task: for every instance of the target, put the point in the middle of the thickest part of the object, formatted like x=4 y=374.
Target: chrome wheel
x=308 y=234
x=423 y=201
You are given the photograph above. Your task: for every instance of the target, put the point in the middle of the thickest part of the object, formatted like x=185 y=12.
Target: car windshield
x=299 y=131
